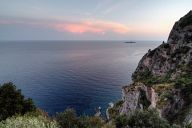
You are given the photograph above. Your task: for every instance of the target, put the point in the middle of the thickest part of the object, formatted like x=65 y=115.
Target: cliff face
x=173 y=56
x=163 y=78
x=138 y=96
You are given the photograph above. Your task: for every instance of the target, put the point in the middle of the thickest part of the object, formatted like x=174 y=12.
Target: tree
x=12 y=102
x=68 y=119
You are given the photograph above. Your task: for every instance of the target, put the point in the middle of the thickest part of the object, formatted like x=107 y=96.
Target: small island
x=130 y=42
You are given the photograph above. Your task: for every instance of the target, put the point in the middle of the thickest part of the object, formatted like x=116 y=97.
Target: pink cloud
x=92 y=26
x=77 y=28
x=86 y=26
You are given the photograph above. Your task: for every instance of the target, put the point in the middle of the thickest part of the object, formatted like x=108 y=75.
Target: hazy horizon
x=90 y=20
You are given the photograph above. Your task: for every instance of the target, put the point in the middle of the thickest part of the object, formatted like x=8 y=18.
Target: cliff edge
x=163 y=78
x=173 y=57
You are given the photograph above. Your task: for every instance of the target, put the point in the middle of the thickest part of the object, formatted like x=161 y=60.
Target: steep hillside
x=173 y=57
x=163 y=78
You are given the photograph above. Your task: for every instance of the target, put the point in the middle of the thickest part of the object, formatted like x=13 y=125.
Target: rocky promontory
x=173 y=56
x=163 y=78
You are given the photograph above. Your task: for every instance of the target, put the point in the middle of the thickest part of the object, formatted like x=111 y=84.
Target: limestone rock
x=137 y=96
x=175 y=55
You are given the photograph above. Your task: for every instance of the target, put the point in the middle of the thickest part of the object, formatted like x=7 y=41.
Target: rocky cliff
x=173 y=56
x=163 y=78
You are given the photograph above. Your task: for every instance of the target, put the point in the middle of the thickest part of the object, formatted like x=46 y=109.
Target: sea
x=82 y=75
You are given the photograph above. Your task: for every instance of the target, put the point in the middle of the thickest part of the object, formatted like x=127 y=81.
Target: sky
x=90 y=19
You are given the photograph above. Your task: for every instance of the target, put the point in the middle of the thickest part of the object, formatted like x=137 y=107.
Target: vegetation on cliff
x=164 y=78
x=142 y=119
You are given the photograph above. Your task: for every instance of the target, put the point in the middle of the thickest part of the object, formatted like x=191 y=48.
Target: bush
x=69 y=119
x=114 y=111
x=148 y=79
x=12 y=102
x=184 y=83
x=142 y=119
x=188 y=126
x=28 y=122
x=90 y=122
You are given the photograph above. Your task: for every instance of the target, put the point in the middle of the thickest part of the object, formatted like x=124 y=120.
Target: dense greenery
x=28 y=121
x=69 y=119
x=13 y=102
x=142 y=119
x=18 y=112
x=185 y=84
x=148 y=79
x=114 y=111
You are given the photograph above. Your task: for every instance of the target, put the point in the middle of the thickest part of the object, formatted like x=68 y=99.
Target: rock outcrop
x=173 y=60
x=173 y=56
x=137 y=96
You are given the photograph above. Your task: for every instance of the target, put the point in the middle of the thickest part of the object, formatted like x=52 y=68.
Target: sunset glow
x=102 y=19
x=93 y=27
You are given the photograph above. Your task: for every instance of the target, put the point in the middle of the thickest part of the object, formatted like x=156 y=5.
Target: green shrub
x=90 y=122
x=69 y=119
x=188 y=126
x=119 y=103
x=13 y=102
x=142 y=119
x=148 y=79
x=167 y=95
x=110 y=124
x=114 y=111
x=184 y=83
x=28 y=122
x=121 y=121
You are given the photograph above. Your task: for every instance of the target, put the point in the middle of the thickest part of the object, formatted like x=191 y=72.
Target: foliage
x=142 y=119
x=90 y=122
x=148 y=79
x=185 y=84
x=114 y=111
x=183 y=80
x=119 y=103
x=28 y=122
x=167 y=95
x=110 y=124
x=146 y=74
x=12 y=102
x=164 y=98
x=188 y=126
x=69 y=119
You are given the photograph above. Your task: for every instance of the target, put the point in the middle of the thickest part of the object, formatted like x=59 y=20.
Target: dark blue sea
x=71 y=74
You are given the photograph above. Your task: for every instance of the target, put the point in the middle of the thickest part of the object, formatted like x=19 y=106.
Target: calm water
x=78 y=74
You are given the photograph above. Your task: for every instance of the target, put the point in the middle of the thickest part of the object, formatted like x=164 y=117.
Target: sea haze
x=71 y=74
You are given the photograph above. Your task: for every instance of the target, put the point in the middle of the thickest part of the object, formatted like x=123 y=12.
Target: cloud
x=92 y=26
x=80 y=27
